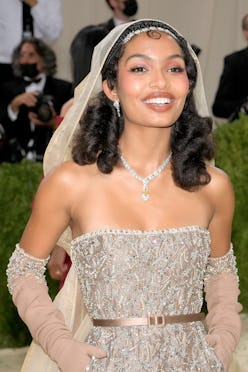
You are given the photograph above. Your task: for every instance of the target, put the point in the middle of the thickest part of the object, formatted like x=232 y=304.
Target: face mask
x=29 y=69
x=130 y=8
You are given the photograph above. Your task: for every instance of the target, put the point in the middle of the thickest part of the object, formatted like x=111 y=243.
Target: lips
x=159 y=101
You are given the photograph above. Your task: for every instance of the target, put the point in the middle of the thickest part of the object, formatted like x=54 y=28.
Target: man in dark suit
x=88 y=37
x=31 y=102
x=232 y=94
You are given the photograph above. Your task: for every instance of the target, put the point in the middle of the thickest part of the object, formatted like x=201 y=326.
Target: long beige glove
x=27 y=285
x=47 y=327
x=223 y=319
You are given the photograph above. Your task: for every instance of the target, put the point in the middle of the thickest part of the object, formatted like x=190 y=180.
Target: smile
x=158 y=101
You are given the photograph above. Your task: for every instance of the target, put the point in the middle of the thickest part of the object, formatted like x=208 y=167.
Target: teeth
x=158 y=101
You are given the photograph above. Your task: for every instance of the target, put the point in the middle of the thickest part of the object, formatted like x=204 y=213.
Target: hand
x=56 y=265
x=66 y=107
x=222 y=348
x=52 y=123
x=31 y=3
x=77 y=356
x=92 y=352
x=27 y=99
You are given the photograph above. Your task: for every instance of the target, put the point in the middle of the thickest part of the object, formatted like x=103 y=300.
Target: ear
x=110 y=93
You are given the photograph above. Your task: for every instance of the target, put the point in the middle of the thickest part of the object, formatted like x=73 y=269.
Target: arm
x=50 y=215
x=25 y=98
x=56 y=265
x=47 y=18
x=221 y=280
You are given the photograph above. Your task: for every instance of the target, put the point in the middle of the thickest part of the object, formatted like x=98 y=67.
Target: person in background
x=32 y=100
x=146 y=218
x=18 y=19
x=232 y=93
x=88 y=37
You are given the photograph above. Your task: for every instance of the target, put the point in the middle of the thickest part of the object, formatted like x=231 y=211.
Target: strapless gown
x=133 y=273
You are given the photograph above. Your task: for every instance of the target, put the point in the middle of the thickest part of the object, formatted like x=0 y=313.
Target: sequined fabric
x=226 y=263
x=22 y=265
x=132 y=273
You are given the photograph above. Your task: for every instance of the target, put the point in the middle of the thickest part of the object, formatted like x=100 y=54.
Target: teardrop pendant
x=145 y=192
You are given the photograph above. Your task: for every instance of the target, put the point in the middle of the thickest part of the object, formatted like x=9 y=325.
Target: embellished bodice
x=129 y=273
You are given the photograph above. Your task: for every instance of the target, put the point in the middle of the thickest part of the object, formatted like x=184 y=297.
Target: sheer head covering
x=59 y=148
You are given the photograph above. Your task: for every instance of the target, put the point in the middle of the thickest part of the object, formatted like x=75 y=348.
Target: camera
x=43 y=107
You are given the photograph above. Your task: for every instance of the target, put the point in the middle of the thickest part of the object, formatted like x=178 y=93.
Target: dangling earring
x=116 y=105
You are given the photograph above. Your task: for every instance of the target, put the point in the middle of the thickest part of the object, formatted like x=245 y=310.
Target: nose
x=24 y=58
x=159 y=79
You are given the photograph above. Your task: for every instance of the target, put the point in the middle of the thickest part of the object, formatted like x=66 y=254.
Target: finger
x=35 y=93
x=54 y=275
x=58 y=274
x=94 y=351
x=30 y=101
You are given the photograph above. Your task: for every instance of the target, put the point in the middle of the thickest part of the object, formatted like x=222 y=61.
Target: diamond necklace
x=145 y=190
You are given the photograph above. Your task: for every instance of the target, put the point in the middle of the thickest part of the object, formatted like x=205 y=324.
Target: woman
x=150 y=221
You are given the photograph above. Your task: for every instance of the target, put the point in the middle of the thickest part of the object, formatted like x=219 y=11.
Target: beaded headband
x=147 y=29
x=141 y=26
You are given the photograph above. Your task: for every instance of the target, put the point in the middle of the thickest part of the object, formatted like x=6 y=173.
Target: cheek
x=130 y=87
x=182 y=86
x=39 y=66
x=186 y=84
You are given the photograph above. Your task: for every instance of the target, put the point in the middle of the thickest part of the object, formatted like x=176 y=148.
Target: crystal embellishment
x=145 y=181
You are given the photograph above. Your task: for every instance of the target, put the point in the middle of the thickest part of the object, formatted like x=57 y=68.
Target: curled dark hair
x=100 y=128
x=45 y=52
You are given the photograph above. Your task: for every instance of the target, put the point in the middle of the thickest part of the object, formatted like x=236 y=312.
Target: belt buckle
x=156 y=320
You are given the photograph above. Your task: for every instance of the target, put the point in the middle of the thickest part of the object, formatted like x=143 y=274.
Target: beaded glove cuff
x=21 y=265
x=219 y=265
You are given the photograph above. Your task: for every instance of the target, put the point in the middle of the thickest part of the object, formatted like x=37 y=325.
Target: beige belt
x=151 y=320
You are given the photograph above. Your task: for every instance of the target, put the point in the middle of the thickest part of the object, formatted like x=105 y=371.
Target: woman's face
x=152 y=83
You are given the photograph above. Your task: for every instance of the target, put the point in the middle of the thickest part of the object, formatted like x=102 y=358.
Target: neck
x=120 y=16
x=145 y=150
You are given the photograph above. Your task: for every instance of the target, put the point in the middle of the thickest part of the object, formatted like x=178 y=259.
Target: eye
x=138 y=69
x=176 y=69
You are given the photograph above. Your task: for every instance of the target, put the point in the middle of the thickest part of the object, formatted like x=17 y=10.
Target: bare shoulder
x=220 y=181
x=65 y=180
x=220 y=189
x=64 y=173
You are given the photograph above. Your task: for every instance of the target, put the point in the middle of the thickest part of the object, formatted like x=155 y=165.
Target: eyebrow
x=145 y=56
